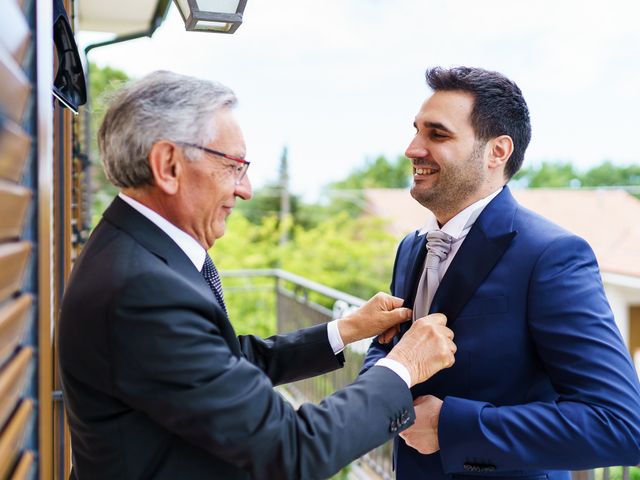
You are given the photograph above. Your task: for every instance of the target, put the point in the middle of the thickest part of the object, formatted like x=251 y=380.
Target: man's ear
x=166 y=167
x=500 y=150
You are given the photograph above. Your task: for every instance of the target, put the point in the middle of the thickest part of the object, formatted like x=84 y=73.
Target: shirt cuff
x=397 y=368
x=335 y=340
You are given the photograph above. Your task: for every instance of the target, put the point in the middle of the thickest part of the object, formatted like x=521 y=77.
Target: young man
x=543 y=382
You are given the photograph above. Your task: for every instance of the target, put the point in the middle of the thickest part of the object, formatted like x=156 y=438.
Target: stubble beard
x=456 y=184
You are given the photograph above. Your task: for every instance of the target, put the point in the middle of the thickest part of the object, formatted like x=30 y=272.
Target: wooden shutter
x=17 y=364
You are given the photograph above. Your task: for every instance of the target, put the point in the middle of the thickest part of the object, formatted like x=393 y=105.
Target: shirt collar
x=186 y=242
x=459 y=225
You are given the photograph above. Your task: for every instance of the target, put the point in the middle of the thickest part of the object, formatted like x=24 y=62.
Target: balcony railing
x=275 y=300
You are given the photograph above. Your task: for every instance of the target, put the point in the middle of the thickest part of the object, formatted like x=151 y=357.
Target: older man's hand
x=423 y=434
x=382 y=314
x=426 y=348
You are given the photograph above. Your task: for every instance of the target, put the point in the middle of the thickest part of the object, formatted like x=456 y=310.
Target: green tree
x=549 y=174
x=347 y=195
x=378 y=173
x=609 y=174
x=103 y=81
x=563 y=174
x=266 y=202
x=251 y=302
x=351 y=255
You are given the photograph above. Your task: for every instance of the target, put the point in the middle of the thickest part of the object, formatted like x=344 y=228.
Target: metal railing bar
x=301 y=281
x=312 y=305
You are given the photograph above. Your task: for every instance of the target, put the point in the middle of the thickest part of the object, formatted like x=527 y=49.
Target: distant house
x=608 y=219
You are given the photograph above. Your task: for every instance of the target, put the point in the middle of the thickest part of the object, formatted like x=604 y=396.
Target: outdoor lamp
x=221 y=16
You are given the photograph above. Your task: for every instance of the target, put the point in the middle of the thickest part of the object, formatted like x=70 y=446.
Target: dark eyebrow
x=437 y=126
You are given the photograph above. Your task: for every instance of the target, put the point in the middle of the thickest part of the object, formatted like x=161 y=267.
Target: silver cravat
x=438 y=246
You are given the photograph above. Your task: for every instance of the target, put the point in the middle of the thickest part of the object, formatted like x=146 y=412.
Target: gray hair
x=160 y=106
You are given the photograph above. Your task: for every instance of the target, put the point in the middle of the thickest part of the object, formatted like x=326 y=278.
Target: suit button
x=405 y=417
x=393 y=427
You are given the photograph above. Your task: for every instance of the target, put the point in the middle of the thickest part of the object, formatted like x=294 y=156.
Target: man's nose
x=244 y=189
x=416 y=150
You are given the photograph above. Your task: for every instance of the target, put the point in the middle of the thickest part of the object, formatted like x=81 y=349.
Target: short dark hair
x=499 y=107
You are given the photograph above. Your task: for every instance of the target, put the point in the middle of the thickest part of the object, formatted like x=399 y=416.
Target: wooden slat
x=13 y=260
x=23 y=468
x=12 y=435
x=15 y=87
x=14 y=30
x=12 y=380
x=14 y=151
x=14 y=201
x=13 y=319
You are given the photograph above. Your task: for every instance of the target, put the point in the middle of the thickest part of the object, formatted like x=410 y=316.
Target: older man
x=156 y=383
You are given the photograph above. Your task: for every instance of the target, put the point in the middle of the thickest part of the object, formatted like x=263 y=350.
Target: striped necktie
x=210 y=274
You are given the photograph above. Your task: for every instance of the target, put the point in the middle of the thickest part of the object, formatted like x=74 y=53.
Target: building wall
x=624 y=298
x=620 y=307
x=634 y=334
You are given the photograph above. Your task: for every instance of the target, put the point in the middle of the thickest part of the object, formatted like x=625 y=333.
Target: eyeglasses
x=239 y=170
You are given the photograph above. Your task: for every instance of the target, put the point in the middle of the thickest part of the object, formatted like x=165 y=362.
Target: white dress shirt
x=458 y=227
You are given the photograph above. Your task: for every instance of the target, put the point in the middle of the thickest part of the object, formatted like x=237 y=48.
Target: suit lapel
x=416 y=259
x=485 y=244
x=413 y=267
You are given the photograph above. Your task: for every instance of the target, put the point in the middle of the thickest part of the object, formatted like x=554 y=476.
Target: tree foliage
x=378 y=173
x=548 y=174
x=103 y=81
x=347 y=195
x=563 y=174
x=609 y=174
x=354 y=256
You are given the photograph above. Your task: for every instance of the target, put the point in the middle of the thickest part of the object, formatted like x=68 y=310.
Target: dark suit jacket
x=542 y=381
x=157 y=385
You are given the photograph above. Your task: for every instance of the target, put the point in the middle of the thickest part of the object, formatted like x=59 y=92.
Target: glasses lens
x=241 y=172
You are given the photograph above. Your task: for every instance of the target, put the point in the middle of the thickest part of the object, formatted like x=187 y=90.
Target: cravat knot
x=210 y=274
x=438 y=247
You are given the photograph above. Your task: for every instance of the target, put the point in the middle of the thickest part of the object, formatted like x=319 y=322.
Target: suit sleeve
x=595 y=419
x=287 y=358
x=173 y=365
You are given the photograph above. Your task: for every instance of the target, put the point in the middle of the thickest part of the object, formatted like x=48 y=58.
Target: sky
x=340 y=81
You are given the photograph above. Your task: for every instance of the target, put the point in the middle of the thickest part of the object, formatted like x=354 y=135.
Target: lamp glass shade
x=208 y=25
x=218 y=6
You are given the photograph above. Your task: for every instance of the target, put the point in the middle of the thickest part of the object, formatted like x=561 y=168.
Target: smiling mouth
x=425 y=170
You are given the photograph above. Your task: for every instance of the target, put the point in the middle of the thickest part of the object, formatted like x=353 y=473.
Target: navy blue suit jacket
x=543 y=382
